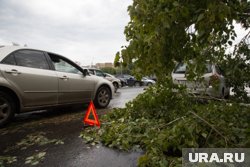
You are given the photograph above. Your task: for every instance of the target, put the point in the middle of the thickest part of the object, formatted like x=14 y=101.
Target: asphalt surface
x=56 y=132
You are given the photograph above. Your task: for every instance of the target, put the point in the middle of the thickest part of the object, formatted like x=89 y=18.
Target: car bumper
x=210 y=91
x=119 y=84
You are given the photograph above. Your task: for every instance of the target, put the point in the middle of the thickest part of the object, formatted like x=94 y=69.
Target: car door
x=222 y=80
x=29 y=72
x=74 y=87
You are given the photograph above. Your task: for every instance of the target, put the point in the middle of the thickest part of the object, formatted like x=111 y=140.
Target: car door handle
x=64 y=77
x=13 y=71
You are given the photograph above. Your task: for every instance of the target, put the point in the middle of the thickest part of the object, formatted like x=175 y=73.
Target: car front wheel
x=116 y=86
x=149 y=84
x=7 y=108
x=103 y=97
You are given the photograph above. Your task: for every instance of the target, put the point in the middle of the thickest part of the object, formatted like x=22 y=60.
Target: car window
x=208 y=68
x=181 y=68
x=91 y=72
x=99 y=73
x=31 y=58
x=128 y=76
x=62 y=65
x=218 y=70
x=9 y=60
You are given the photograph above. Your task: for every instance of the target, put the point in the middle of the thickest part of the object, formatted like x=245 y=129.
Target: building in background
x=104 y=65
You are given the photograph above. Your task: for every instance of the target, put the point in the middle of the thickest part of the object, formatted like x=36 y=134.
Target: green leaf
x=200 y=17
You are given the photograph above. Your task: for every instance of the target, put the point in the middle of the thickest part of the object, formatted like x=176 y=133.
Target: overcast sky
x=82 y=30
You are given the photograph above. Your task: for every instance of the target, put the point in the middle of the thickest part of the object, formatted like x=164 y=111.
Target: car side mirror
x=85 y=72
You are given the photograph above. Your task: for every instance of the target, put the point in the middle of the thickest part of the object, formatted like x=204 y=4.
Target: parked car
x=147 y=82
x=34 y=79
x=115 y=81
x=212 y=74
x=129 y=80
x=152 y=77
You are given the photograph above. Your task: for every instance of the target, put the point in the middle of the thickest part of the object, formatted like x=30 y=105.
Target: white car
x=212 y=74
x=147 y=82
x=115 y=81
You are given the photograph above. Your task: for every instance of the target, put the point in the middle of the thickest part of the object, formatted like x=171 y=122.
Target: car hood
x=148 y=80
x=98 y=79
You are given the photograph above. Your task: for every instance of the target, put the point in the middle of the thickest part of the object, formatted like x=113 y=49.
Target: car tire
x=103 y=97
x=227 y=96
x=223 y=95
x=116 y=86
x=149 y=84
x=137 y=84
x=7 y=108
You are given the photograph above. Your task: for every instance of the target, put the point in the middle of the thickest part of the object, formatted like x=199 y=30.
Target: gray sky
x=82 y=30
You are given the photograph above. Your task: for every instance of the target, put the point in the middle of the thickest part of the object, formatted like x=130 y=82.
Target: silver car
x=115 y=81
x=213 y=74
x=147 y=82
x=34 y=79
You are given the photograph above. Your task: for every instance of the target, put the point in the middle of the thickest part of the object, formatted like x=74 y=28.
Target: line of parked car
x=121 y=80
x=33 y=79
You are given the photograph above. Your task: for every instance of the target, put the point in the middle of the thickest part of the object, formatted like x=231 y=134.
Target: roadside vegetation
x=161 y=121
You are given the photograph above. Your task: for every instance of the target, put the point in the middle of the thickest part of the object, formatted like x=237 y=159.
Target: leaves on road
x=37 y=138
x=162 y=122
x=35 y=159
x=7 y=160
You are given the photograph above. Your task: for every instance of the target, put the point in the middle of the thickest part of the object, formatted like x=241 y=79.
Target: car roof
x=94 y=69
x=5 y=50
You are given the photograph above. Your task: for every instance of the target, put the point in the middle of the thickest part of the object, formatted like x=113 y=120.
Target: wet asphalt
x=65 y=125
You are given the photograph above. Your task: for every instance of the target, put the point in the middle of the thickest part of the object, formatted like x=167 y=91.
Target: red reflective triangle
x=86 y=119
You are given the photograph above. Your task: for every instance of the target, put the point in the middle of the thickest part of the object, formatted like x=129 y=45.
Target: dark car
x=129 y=80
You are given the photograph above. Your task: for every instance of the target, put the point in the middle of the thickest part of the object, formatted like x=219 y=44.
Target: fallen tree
x=162 y=122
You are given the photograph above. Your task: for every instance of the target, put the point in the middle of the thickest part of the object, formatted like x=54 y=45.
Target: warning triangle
x=86 y=120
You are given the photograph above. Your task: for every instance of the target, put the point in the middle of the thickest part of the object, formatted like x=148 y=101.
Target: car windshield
x=128 y=76
x=182 y=67
x=109 y=75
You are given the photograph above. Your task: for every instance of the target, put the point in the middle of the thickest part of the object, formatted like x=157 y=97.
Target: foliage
x=237 y=68
x=38 y=138
x=162 y=122
x=109 y=70
x=117 y=62
x=162 y=32
x=35 y=159
x=117 y=70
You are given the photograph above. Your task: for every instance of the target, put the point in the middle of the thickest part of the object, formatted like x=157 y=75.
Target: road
x=57 y=133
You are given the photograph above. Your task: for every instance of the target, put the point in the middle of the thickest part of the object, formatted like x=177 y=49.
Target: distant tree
x=109 y=70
